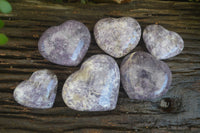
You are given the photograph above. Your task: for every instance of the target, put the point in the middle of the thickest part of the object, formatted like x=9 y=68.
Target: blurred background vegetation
x=109 y=1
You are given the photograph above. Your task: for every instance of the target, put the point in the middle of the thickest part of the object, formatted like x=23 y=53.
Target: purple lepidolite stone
x=144 y=77
x=161 y=42
x=117 y=36
x=95 y=86
x=39 y=91
x=65 y=44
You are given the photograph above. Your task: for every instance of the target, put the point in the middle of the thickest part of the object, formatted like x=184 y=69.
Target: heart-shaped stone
x=66 y=44
x=95 y=86
x=144 y=77
x=39 y=91
x=117 y=36
x=161 y=42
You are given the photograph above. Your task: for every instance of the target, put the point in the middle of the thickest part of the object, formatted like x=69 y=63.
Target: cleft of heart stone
x=39 y=91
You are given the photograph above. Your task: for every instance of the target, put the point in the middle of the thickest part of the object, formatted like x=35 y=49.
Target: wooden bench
x=177 y=111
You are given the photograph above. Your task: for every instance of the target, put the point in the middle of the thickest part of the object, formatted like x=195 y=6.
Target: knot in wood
x=165 y=103
x=171 y=104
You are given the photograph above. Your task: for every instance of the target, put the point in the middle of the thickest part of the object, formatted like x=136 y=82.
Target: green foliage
x=5 y=6
x=84 y=1
x=59 y=1
x=81 y=1
x=1 y=24
x=193 y=0
x=3 y=39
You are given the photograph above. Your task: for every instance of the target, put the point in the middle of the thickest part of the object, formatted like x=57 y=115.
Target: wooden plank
x=20 y=57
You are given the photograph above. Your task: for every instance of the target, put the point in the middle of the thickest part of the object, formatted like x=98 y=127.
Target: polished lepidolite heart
x=144 y=77
x=39 y=91
x=95 y=86
x=117 y=36
x=66 y=44
x=161 y=42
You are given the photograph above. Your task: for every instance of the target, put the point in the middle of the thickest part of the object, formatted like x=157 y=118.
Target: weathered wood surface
x=177 y=111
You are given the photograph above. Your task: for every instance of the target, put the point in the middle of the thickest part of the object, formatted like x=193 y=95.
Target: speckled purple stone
x=162 y=43
x=65 y=44
x=39 y=91
x=117 y=36
x=144 y=77
x=95 y=86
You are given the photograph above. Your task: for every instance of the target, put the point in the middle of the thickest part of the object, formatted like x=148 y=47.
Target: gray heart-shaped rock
x=95 y=86
x=162 y=43
x=144 y=77
x=117 y=36
x=66 y=44
x=39 y=91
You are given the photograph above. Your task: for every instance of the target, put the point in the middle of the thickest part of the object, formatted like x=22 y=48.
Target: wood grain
x=177 y=111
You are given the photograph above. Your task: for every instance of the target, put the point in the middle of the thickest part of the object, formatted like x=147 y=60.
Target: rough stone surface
x=144 y=77
x=95 y=86
x=66 y=44
x=117 y=36
x=39 y=91
x=161 y=42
